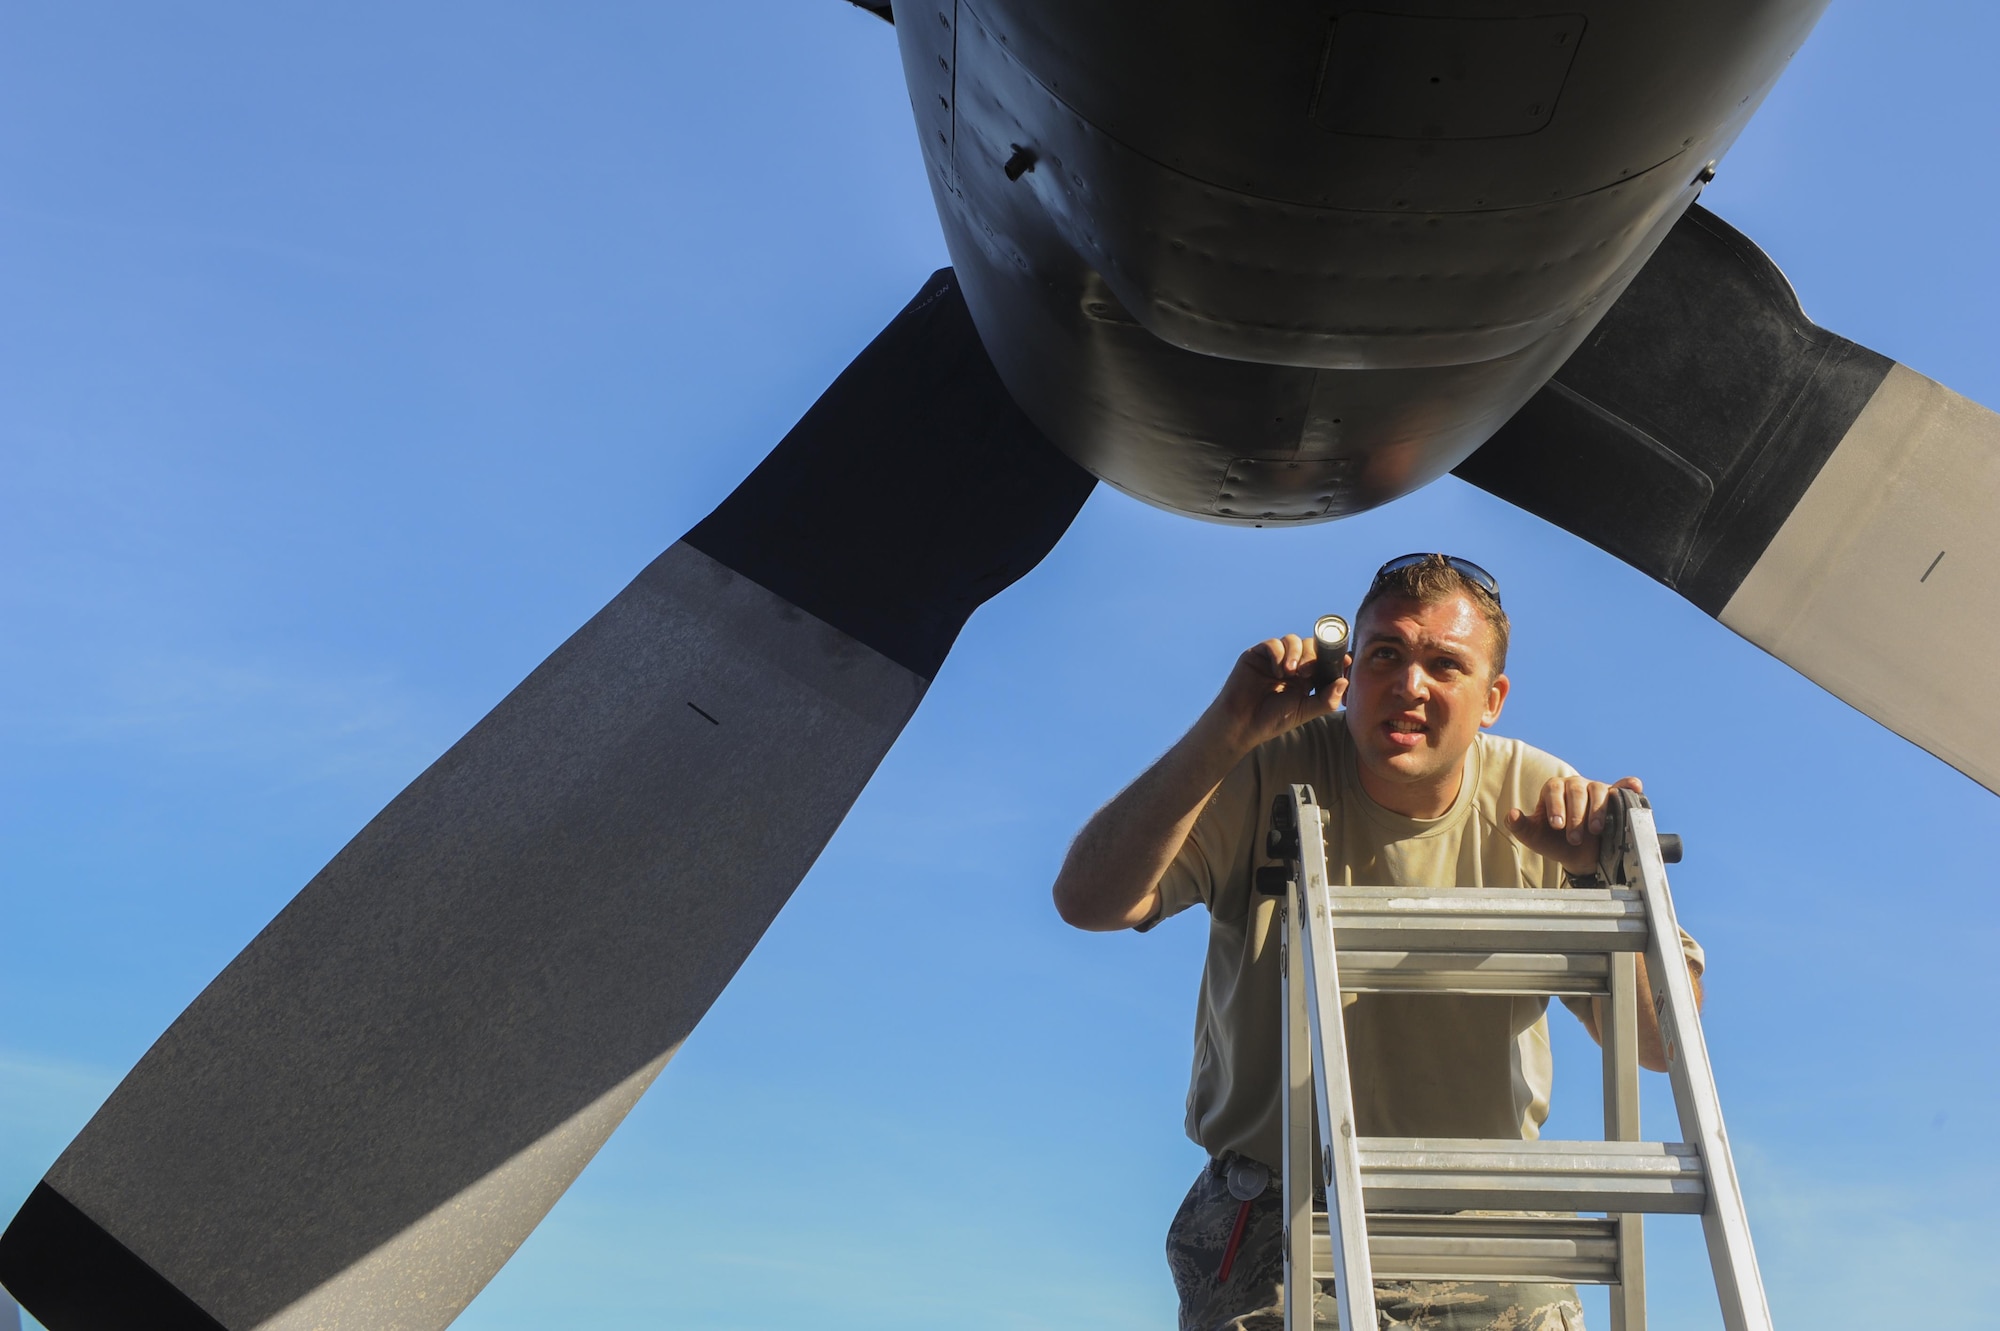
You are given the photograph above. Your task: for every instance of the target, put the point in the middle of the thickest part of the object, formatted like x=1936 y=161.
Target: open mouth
x=1405 y=733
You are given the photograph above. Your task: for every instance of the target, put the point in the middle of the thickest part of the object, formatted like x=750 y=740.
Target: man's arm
x=1652 y=1050
x=1566 y=825
x=1111 y=877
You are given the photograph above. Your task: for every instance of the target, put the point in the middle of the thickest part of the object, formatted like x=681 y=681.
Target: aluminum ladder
x=1391 y=1199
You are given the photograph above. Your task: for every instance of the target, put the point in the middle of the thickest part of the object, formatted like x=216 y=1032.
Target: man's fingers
x=1550 y=808
x=1267 y=658
x=1576 y=808
x=1285 y=659
x=1541 y=828
x=1528 y=828
x=1600 y=795
x=1294 y=653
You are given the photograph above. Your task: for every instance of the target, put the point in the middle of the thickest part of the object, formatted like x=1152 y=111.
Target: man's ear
x=1496 y=698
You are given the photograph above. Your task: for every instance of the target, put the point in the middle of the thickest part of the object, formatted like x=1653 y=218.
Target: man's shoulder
x=1315 y=741
x=1508 y=767
x=1310 y=753
x=1507 y=749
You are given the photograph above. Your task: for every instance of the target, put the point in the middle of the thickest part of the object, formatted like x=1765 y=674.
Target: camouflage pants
x=1252 y=1299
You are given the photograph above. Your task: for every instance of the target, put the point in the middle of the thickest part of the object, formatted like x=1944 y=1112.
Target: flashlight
x=1329 y=646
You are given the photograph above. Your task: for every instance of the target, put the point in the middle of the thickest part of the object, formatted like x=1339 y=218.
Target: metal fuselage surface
x=1282 y=262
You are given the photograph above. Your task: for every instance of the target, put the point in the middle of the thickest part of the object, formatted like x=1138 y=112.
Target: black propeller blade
x=364 y=1115
x=1830 y=505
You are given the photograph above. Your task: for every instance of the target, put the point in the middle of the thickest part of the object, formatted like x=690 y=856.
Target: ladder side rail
x=1724 y=1221
x=1620 y=1030
x=1296 y=1167
x=1347 y=1226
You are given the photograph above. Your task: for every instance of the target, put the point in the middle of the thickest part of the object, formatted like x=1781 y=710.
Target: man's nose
x=1415 y=683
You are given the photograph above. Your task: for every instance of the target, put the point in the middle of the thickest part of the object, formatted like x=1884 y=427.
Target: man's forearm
x=1652 y=1048
x=1110 y=878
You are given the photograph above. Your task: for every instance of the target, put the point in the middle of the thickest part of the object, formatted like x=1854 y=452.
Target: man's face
x=1422 y=688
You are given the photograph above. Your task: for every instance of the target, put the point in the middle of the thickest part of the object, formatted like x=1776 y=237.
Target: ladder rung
x=1447 y=1174
x=1488 y=919
x=1566 y=974
x=1561 y=1249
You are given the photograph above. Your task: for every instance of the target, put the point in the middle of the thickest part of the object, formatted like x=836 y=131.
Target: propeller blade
x=361 y=1118
x=1833 y=507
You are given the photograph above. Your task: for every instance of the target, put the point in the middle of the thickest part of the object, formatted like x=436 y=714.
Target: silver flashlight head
x=1329 y=647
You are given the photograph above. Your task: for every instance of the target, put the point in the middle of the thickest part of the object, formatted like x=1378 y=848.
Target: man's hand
x=1111 y=877
x=1568 y=820
x=1271 y=690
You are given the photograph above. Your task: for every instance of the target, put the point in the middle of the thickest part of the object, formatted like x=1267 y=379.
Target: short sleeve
x=1696 y=958
x=1216 y=851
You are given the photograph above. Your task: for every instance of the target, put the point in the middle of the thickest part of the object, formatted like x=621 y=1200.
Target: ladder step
x=1560 y=1249
x=1564 y=974
x=1488 y=919
x=1447 y=1174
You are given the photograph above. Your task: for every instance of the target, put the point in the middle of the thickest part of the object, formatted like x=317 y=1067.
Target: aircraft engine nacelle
x=1275 y=264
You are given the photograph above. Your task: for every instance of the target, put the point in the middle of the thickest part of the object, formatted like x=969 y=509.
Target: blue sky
x=349 y=361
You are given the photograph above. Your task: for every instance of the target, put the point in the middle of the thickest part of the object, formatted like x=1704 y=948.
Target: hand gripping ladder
x=1391 y=1200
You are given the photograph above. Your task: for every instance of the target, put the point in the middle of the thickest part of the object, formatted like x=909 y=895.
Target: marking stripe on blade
x=1880 y=584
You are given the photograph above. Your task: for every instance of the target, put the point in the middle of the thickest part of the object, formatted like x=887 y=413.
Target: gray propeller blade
x=361 y=1118
x=1833 y=507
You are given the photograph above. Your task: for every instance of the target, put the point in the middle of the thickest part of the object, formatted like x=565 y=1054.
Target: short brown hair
x=1431 y=580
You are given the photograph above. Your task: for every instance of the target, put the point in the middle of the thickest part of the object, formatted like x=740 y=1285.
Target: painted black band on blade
x=1683 y=432
x=58 y=1263
x=895 y=538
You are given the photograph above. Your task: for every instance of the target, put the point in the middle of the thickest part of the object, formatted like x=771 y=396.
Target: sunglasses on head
x=1478 y=576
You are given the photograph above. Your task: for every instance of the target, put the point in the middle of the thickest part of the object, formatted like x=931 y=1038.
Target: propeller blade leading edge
x=361 y=1118
x=1833 y=507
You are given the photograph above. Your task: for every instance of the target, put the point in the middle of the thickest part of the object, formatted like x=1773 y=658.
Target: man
x=1419 y=796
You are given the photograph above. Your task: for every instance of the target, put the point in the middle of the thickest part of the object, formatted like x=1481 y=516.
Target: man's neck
x=1414 y=799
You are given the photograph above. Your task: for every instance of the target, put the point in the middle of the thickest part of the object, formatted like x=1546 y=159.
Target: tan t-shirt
x=1423 y=1065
